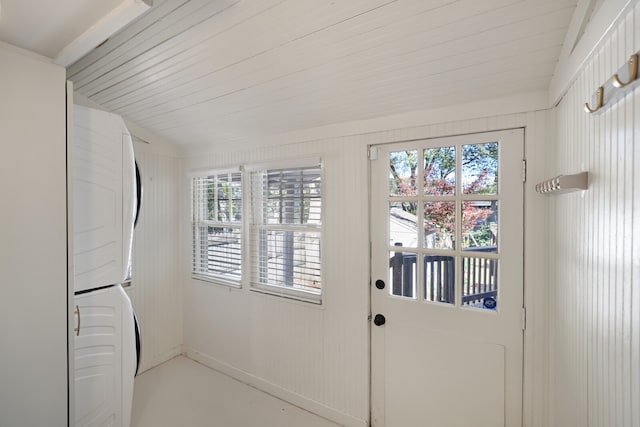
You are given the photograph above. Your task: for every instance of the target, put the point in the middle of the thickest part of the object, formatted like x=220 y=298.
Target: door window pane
x=443 y=222
x=480 y=168
x=439 y=278
x=403 y=167
x=480 y=225
x=439 y=171
x=480 y=283
x=403 y=273
x=439 y=225
x=403 y=224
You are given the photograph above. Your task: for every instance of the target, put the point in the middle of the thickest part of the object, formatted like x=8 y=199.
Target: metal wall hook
x=599 y=101
x=633 y=73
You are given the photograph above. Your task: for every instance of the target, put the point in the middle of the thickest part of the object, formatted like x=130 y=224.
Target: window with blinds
x=217 y=227
x=286 y=230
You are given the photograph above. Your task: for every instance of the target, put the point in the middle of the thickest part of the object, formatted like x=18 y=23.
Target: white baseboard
x=159 y=359
x=276 y=390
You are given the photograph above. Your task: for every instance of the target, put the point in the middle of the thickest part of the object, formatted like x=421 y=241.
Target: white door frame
x=373 y=342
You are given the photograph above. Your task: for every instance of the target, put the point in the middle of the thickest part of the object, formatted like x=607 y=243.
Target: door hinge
x=524 y=318
x=524 y=170
x=372 y=153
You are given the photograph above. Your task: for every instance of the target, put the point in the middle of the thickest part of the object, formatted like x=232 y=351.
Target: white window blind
x=286 y=231
x=217 y=227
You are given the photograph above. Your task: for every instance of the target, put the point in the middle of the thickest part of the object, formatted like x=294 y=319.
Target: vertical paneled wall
x=595 y=249
x=155 y=290
x=314 y=356
x=318 y=356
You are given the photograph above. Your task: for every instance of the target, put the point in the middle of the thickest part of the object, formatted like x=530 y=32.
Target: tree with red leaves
x=479 y=167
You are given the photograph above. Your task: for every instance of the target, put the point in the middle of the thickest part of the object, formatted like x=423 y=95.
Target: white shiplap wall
x=314 y=356
x=595 y=249
x=317 y=357
x=155 y=291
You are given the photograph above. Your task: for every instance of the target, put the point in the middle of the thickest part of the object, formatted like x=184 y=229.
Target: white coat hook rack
x=564 y=184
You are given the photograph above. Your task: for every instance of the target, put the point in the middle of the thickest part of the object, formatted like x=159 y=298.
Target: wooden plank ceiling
x=206 y=72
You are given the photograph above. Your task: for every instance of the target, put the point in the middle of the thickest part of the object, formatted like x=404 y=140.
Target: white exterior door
x=447 y=273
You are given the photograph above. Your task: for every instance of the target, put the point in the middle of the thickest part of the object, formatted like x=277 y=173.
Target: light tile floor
x=184 y=393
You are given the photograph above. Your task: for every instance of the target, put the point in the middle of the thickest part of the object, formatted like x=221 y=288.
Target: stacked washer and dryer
x=106 y=202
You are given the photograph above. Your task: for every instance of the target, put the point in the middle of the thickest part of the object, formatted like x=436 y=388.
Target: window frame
x=254 y=227
x=241 y=225
x=249 y=255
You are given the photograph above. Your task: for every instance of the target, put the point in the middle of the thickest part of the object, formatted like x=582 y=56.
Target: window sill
x=298 y=295
x=216 y=281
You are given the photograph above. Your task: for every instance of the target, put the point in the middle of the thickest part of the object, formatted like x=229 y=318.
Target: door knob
x=379 y=320
x=380 y=284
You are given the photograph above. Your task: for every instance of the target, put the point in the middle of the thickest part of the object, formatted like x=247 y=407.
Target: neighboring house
x=403 y=228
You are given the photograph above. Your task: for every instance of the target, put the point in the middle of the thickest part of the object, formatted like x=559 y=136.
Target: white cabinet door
x=104 y=358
